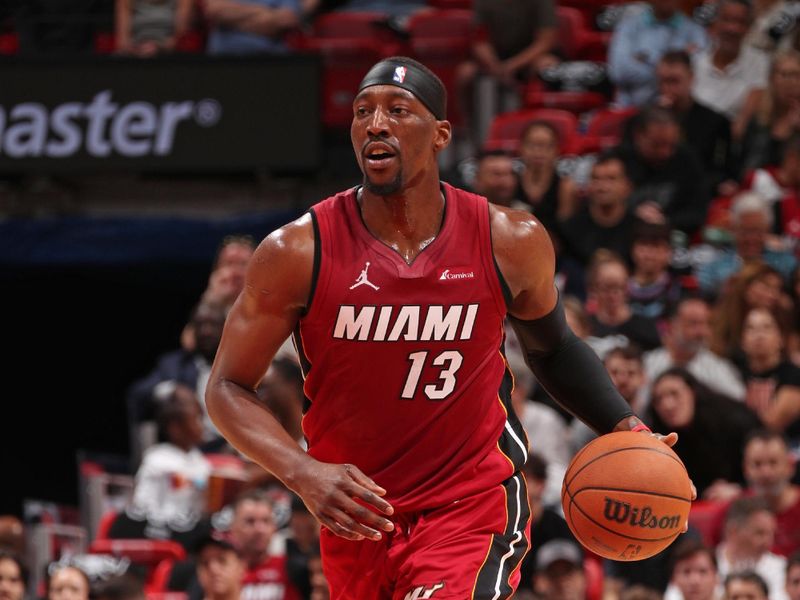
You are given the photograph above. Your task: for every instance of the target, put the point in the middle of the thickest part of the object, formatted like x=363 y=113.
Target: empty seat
x=506 y=129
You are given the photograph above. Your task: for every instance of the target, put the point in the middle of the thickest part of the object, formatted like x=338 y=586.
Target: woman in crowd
x=711 y=428
x=773 y=383
x=149 y=27
x=777 y=116
x=67 y=583
x=756 y=285
x=554 y=197
x=13 y=576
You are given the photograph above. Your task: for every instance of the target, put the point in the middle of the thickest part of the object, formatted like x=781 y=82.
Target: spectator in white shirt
x=731 y=74
x=749 y=533
x=686 y=343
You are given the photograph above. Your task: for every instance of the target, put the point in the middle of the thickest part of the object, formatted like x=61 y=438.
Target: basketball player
x=395 y=292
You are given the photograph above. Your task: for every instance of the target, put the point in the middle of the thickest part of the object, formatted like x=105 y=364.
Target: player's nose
x=379 y=122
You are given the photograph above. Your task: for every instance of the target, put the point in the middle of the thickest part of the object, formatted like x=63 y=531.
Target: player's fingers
x=365 y=515
x=358 y=476
x=353 y=526
x=371 y=498
x=339 y=529
x=670 y=439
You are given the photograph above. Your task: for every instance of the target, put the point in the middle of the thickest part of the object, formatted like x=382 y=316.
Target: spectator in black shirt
x=773 y=383
x=608 y=289
x=605 y=220
x=705 y=131
x=668 y=181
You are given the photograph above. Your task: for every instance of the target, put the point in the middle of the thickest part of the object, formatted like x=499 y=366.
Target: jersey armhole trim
x=503 y=283
x=317 y=260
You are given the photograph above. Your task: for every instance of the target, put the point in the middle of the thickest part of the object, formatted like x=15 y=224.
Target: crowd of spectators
x=677 y=263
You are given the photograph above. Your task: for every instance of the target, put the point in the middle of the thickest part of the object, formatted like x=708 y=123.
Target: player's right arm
x=276 y=291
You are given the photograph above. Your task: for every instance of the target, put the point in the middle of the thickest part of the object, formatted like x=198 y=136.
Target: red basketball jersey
x=404 y=372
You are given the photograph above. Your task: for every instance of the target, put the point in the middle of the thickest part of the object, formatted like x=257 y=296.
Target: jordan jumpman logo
x=362 y=279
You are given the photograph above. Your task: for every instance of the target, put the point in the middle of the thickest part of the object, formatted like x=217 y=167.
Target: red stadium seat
x=349 y=43
x=593 y=569
x=577 y=41
x=606 y=128
x=106 y=521
x=575 y=102
x=707 y=517
x=441 y=40
x=505 y=130
x=9 y=43
x=448 y=4
x=157 y=556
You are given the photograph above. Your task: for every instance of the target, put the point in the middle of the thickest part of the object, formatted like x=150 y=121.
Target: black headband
x=405 y=74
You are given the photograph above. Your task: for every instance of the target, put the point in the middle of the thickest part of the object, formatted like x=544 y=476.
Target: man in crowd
x=668 y=181
x=639 y=41
x=686 y=342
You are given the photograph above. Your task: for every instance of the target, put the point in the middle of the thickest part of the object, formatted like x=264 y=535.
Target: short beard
x=385 y=189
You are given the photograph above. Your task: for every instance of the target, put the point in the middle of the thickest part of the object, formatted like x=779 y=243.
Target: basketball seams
x=669 y=455
x=628 y=491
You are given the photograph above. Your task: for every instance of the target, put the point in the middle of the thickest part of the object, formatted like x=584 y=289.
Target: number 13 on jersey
x=449 y=361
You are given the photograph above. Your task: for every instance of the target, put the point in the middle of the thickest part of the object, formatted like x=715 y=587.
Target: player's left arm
x=565 y=366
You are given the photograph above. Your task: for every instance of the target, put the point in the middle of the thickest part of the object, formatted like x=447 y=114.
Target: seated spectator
x=67 y=583
x=119 y=587
x=774 y=26
x=779 y=185
x=652 y=288
x=751 y=222
x=705 y=131
x=686 y=339
x=746 y=585
x=514 y=41
x=757 y=285
x=169 y=495
x=605 y=221
x=773 y=382
x=188 y=367
x=711 y=428
x=252 y=529
x=639 y=41
x=768 y=469
x=624 y=366
x=693 y=572
x=246 y=27
x=553 y=197
x=546 y=523
x=777 y=116
x=793 y=577
x=496 y=180
x=729 y=74
x=559 y=571
x=229 y=270
x=748 y=535
x=302 y=546
x=13 y=576
x=220 y=568
x=668 y=181
x=12 y=534
x=399 y=10
x=149 y=27
x=608 y=288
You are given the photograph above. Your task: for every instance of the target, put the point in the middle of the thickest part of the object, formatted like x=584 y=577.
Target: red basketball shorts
x=468 y=550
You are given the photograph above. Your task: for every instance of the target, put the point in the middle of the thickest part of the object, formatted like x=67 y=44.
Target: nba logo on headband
x=399 y=74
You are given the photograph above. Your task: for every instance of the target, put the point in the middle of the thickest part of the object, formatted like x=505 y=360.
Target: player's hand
x=330 y=492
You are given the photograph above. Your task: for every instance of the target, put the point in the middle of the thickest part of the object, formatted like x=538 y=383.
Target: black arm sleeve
x=570 y=371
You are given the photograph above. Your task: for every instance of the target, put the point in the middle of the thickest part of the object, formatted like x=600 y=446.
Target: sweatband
x=570 y=371
x=403 y=73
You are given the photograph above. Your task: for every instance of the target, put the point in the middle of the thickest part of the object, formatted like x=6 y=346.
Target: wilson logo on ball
x=621 y=512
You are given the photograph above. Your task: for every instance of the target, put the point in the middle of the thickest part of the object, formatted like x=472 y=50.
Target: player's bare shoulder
x=283 y=264
x=519 y=240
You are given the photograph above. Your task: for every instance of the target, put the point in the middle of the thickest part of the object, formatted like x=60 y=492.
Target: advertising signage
x=196 y=113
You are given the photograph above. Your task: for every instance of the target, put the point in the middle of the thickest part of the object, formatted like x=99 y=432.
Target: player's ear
x=444 y=133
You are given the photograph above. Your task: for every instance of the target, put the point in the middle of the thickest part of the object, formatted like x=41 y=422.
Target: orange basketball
x=626 y=496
